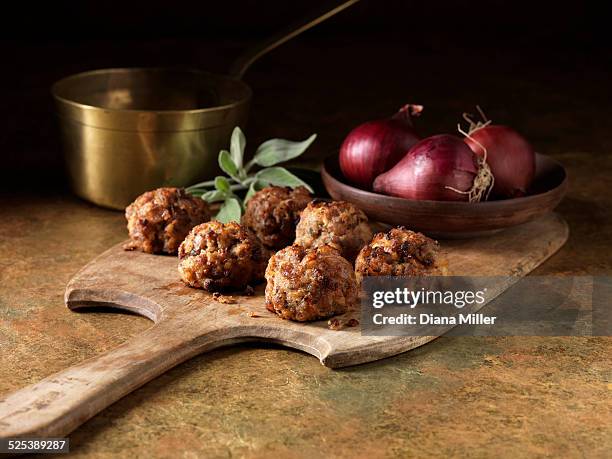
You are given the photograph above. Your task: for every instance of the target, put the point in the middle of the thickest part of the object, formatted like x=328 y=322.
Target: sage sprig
x=240 y=176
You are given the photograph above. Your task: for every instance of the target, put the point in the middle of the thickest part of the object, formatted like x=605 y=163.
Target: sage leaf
x=230 y=211
x=222 y=184
x=237 y=145
x=276 y=151
x=238 y=176
x=280 y=176
x=255 y=186
x=227 y=164
x=214 y=196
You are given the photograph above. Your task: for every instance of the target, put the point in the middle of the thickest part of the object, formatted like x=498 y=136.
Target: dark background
x=541 y=67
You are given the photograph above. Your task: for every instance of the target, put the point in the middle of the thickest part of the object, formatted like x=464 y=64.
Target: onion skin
x=431 y=166
x=376 y=146
x=510 y=157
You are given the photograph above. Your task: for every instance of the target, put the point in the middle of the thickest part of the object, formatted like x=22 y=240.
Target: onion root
x=484 y=180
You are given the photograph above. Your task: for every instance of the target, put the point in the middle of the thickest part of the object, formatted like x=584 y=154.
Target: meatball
x=159 y=220
x=273 y=212
x=221 y=256
x=398 y=252
x=309 y=283
x=338 y=224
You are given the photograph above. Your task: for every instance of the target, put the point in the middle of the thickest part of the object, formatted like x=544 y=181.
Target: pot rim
x=58 y=86
x=142 y=120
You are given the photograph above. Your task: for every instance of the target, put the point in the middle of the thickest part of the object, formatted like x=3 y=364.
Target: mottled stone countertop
x=520 y=396
x=477 y=397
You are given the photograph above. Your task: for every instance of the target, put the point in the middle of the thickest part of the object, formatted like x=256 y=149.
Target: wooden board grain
x=190 y=321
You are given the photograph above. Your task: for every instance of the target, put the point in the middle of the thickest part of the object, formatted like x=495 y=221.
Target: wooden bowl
x=451 y=219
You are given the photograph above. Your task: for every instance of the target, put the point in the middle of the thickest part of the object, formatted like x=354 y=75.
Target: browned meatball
x=338 y=224
x=398 y=252
x=309 y=284
x=159 y=220
x=273 y=212
x=221 y=256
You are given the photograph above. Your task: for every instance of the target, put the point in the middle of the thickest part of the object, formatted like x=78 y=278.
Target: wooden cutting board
x=189 y=322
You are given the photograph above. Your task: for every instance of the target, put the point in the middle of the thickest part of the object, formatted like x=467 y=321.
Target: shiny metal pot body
x=126 y=131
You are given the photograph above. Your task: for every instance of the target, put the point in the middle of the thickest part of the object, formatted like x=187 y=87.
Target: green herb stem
x=249 y=165
x=204 y=186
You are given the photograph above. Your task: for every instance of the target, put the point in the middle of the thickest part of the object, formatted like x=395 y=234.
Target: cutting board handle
x=61 y=402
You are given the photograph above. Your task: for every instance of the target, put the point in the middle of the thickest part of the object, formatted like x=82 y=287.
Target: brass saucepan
x=126 y=131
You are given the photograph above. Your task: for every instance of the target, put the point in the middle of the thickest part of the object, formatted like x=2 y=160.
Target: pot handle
x=242 y=64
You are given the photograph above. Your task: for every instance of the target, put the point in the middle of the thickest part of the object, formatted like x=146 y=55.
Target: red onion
x=376 y=146
x=510 y=157
x=438 y=168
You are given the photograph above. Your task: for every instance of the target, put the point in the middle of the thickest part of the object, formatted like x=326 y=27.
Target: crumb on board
x=337 y=324
x=129 y=246
x=225 y=299
x=254 y=314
